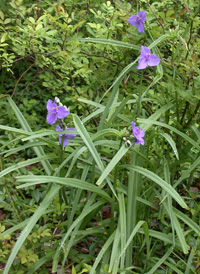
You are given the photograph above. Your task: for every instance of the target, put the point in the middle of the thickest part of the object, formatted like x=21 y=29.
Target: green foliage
x=99 y=205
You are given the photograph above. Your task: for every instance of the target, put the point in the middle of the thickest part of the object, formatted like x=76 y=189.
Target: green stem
x=131 y=208
x=140 y=94
x=176 y=97
x=112 y=227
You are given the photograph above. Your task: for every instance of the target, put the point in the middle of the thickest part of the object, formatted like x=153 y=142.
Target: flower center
x=138 y=18
x=138 y=130
x=148 y=55
x=55 y=110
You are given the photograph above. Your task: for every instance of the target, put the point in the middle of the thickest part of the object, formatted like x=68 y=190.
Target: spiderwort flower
x=147 y=59
x=138 y=20
x=55 y=112
x=66 y=136
x=138 y=133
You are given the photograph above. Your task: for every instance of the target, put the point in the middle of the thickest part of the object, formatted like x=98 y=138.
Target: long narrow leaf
x=191 y=141
x=25 y=163
x=107 y=42
x=171 y=142
x=161 y=261
x=39 y=179
x=87 y=140
x=101 y=253
x=155 y=178
x=38 y=150
x=135 y=230
x=112 y=164
x=188 y=171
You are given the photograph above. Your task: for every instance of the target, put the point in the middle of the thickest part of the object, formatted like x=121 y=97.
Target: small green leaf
x=32 y=20
x=3 y=38
x=73 y=270
x=39 y=26
x=1 y=15
x=7 y=21
x=169 y=13
x=23 y=260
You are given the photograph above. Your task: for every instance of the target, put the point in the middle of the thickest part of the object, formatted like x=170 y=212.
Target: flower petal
x=60 y=140
x=144 y=51
x=51 y=118
x=140 y=132
x=65 y=141
x=142 y=64
x=153 y=60
x=140 y=140
x=70 y=136
x=58 y=128
x=133 y=20
x=133 y=126
x=51 y=105
x=142 y=15
x=140 y=27
x=62 y=112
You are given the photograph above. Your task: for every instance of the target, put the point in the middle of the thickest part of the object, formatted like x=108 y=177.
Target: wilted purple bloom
x=66 y=136
x=147 y=59
x=55 y=112
x=138 y=20
x=138 y=133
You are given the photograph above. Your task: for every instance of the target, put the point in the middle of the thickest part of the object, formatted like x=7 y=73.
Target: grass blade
x=26 y=163
x=112 y=163
x=107 y=42
x=88 y=142
x=101 y=253
x=161 y=261
x=191 y=141
x=171 y=142
x=38 y=150
x=39 y=179
x=155 y=178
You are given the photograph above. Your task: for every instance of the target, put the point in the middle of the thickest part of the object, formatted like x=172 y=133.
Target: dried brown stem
x=102 y=56
x=161 y=24
x=21 y=78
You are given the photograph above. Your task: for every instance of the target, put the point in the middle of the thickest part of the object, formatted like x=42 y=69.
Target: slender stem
x=113 y=197
x=11 y=202
x=21 y=78
x=173 y=51
x=160 y=23
x=184 y=112
x=193 y=114
x=8 y=192
x=176 y=98
x=188 y=43
x=131 y=208
x=140 y=94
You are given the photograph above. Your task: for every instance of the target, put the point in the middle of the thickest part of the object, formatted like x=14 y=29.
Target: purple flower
x=147 y=59
x=138 y=20
x=138 y=133
x=55 y=112
x=66 y=136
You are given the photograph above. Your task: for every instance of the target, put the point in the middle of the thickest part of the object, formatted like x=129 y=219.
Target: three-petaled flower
x=65 y=140
x=55 y=112
x=138 y=20
x=138 y=133
x=147 y=59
